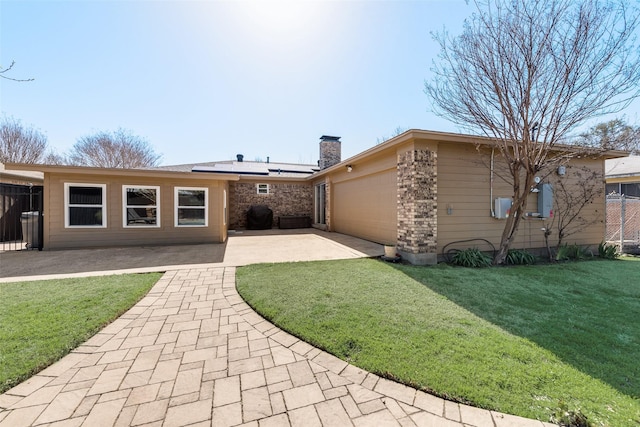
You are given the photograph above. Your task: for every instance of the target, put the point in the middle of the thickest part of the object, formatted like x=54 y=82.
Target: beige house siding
x=365 y=202
x=465 y=201
x=364 y=207
x=284 y=198
x=57 y=236
x=362 y=203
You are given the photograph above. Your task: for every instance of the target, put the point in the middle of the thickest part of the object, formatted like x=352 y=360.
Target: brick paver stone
x=302 y=396
x=226 y=391
x=189 y=413
x=256 y=404
x=304 y=417
x=332 y=414
x=229 y=415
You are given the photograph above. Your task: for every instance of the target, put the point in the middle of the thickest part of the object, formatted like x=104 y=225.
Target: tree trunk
x=518 y=209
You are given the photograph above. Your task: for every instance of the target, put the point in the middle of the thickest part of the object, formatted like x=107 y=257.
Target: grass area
x=519 y=340
x=42 y=321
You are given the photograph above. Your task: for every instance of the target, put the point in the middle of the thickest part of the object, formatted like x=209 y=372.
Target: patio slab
x=241 y=248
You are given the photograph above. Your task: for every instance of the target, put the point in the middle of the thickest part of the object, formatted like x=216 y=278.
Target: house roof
x=446 y=137
x=232 y=170
x=622 y=167
x=285 y=170
x=152 y=172
x=22 y=176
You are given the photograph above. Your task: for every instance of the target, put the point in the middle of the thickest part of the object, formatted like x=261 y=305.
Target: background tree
x=21 y=144
x=4 y=75
x=397 y=131
x=613 y=135
x=528 y=72
x=120 y=149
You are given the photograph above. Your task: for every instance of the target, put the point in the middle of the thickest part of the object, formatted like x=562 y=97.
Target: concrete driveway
x=241 y=248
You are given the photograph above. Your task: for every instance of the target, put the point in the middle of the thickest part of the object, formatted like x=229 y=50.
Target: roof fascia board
x=417 y=134
x=155 y=173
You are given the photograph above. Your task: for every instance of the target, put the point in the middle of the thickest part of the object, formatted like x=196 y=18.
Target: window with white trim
x=141 y=206
x=85 y=205
x=192 y=206
x=263 y=188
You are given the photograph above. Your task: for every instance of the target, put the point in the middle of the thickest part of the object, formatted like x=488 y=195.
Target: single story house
x=622 y=175
x=422 y=191
x=623 y=202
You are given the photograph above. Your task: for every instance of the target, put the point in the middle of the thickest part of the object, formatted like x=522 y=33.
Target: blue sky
x=205 y=80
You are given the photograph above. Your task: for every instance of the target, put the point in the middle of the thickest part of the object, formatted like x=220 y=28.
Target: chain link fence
x=623 y=222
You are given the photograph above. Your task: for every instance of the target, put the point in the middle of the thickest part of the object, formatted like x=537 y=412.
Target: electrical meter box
x=545 y=200
x=502 y=207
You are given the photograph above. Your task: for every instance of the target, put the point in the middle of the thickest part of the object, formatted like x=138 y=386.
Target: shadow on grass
x=586 y=313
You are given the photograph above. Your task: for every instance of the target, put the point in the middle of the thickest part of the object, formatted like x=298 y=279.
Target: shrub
x=565 y=417
x=608 y=251
x=472 y=257
x=572 y=253
x=520 y=257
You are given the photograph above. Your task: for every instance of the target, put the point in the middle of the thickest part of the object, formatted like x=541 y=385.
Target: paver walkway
x=192 y=352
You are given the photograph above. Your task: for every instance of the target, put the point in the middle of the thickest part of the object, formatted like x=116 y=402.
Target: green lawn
x=518 y=340
x=42 y=321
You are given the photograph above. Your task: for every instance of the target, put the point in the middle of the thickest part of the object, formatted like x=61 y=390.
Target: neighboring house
x=623 y=202
x=623 y=175
x=421 y=191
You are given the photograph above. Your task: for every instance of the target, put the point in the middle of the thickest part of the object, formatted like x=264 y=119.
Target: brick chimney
x=330 y=151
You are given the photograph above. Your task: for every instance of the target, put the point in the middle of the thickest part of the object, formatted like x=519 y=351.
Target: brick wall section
x=283 y=199
x=330 y=153
x=417 y=202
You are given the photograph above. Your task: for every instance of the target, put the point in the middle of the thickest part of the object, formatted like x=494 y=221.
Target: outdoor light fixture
x=349 y=168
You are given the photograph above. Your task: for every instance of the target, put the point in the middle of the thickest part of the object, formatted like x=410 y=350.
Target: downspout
x=493 y=213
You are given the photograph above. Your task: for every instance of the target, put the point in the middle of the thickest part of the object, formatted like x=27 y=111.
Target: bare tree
x=120 y=149
x=53 y=158
x=613 y=135
x=397 y=131
x=4 y=71
x=21 y=144
x=528 y=72
x=572 y=197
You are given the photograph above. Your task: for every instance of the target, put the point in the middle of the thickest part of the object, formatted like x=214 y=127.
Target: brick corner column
x=417 y=207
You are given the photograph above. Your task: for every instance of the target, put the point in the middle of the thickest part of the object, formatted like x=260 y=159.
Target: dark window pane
x=612 y=188
x=631 y=189
x=85 y=216
x=141 y=197
x=190 y=197
x=141 y=216
x=85 y=195
x=188 y=216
